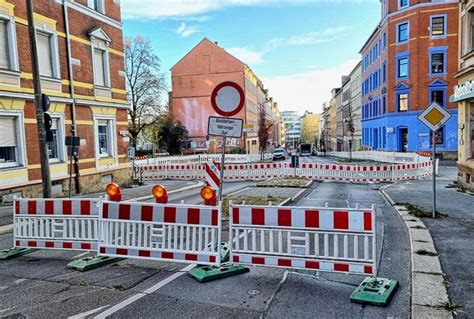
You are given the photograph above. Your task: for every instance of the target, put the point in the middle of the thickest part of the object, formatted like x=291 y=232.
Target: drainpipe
x=73 y=104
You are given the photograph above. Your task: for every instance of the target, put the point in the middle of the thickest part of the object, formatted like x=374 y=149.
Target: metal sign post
x=434 y=172
x=227 y=99
x=224 y=141
x=434 y=117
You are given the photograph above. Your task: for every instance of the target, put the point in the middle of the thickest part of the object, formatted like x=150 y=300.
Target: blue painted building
x=408 y=62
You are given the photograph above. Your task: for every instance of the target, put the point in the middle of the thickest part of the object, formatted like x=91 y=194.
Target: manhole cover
x=253 y=292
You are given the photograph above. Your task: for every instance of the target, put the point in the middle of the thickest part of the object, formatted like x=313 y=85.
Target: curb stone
x=6 y=229
x=428 y=289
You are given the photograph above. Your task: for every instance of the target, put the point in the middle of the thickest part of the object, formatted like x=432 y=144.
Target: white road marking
x=140 y=295
x=20 y=280
x=88 y=313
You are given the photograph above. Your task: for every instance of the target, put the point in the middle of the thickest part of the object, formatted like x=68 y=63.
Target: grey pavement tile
x=428 y=289
x=422 y=263
x=424 y=312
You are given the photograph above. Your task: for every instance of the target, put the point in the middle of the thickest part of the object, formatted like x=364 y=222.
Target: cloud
x=307 y=90
x=246 y=55
x=153 y=9
x=185 y=31
x=159 y=9
x=308 y=38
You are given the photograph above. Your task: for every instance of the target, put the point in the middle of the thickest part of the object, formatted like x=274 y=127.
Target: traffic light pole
x=43 y=148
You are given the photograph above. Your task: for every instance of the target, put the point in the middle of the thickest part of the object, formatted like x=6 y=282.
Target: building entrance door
x=403 y=143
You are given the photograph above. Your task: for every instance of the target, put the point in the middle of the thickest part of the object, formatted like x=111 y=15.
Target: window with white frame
x=4 y=45
x=47 y=54
x=97 y=5
x=9 y=141
x=55 y=147
x=8 y=50
x=100 y=68
x=105 y=137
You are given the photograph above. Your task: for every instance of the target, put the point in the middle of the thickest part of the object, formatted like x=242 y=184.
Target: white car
x=279 y=154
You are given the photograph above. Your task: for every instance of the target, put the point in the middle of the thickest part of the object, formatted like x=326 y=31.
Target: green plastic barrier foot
x=209 y=273
x=88 y=263
x=15 y=252
x=375 y=291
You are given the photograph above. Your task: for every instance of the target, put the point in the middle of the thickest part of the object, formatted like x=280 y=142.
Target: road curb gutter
x=428 y=290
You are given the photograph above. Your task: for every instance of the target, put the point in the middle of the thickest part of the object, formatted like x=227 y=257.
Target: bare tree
x=145 y=84
x=263 y=130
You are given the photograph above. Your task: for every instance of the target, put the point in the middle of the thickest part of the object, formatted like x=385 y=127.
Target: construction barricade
x=182 y=233
x=323 y=239
x=56 y=223
x=317 y=171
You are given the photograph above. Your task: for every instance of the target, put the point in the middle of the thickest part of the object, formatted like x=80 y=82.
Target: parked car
x=279 y=154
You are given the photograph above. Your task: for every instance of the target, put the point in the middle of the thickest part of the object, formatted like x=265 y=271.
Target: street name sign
x=227 y=98
x=434 y=116
x=223 y=126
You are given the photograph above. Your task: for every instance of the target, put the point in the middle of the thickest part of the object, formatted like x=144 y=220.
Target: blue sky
x=300 y=49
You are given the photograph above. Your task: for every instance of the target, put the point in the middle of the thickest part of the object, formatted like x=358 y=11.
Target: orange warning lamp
x=209 y=196
x=160 y=193
x=113 y=191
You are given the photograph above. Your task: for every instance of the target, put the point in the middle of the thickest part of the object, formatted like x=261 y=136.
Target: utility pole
x=40 y=123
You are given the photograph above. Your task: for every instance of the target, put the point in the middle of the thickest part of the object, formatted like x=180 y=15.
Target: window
x=100 y=75
x=384 y=41
x=8 y=141
x=403 y=3
x=53 y=145
x=438 y=61
x=105 y=141
x=384 y=72
x=402 y=102
x=438 y=26
x=4 y=45
x=103 y=136
x=402 y=32
x=437 y=96
x=384 y=104
x=402 y=68
x=97 y=5
x=45 y=54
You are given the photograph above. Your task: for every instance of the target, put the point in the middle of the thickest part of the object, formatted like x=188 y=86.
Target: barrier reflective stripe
x=183 y=233
x=328 y=239
x=331 y=172
x=56 y=223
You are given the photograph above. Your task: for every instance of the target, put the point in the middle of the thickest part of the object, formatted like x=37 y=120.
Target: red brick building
x=92 y=98
x=408 y=62
x=196 y=75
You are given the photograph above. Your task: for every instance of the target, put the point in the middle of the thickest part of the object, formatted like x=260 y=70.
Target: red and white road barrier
x=326 y=239
x=182 y=233
x=56 y=223
x=262 y=171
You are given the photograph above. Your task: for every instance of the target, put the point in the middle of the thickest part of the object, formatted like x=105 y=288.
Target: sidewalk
x=453 y=235
x=6 y=216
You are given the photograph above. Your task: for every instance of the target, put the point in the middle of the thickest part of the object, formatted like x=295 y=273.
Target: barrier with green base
x=375 y=291
x=209 y=273
x=88 y=263
x=15 y=252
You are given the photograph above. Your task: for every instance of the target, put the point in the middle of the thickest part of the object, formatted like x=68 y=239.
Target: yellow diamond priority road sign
x=434 y=116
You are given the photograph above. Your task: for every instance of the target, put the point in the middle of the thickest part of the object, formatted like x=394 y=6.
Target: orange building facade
x=193 y=79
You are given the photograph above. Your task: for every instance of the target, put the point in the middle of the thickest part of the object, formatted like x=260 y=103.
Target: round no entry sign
x=227 y=98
